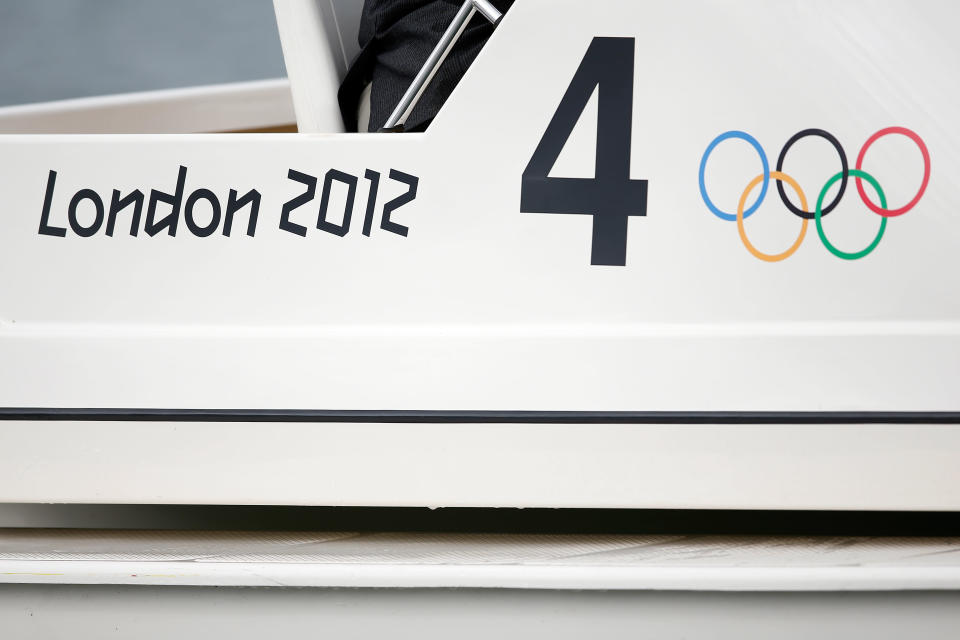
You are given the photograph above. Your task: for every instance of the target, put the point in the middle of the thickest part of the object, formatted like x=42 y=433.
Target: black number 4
x=610 y=196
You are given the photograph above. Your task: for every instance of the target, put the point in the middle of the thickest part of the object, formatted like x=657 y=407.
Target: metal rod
x=449 y=38
x=489 y=11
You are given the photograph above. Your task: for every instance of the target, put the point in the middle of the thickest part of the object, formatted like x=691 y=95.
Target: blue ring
x=703 y=167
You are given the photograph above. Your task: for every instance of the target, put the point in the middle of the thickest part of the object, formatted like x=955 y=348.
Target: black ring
x=809 y=215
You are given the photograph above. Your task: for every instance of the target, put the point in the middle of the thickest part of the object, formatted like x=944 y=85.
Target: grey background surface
x=58 y=49
x=159 y=613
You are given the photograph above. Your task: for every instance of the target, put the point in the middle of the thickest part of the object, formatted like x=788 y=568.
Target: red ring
x=889 y=213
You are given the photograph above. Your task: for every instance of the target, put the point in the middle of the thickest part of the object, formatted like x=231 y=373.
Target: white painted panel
x=868 y=467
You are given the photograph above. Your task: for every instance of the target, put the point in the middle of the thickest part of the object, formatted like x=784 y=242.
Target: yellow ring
x=770 y=257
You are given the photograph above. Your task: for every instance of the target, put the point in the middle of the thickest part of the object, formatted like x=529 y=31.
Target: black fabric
x=396 y=37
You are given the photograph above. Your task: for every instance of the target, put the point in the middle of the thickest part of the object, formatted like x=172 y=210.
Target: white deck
x=403 y=560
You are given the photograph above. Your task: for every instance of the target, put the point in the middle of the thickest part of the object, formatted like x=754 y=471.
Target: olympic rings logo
x=820 y=211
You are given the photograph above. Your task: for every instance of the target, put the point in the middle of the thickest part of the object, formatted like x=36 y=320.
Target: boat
x=671 y=255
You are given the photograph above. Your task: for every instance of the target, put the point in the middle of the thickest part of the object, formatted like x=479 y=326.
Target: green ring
x=819 y=214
